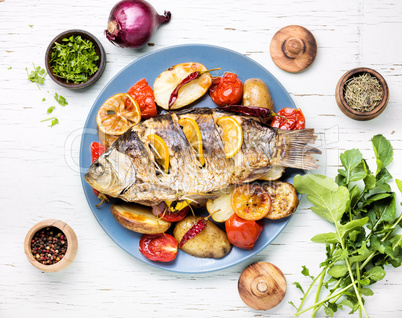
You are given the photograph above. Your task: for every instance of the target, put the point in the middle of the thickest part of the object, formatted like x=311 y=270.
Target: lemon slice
x=193 y=135
x=232 y=135
x=116 y=115
x=161 y=151
x=251 y=202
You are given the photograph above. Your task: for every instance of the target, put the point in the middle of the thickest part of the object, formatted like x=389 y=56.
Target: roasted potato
x=221 y=209
x=256 y=93
x=139 y=218
x=274 y=174
x=211 y=242
x=284 y=200
x=168 y=80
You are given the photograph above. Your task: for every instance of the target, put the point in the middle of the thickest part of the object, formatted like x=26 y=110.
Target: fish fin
x=298 y=152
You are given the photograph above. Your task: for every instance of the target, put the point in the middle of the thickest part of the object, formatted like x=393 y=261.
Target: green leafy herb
x=74 y=60
x=50 y=109
x=60 y=99
x=10 y=67
x=43 y=99
x=31 y=26
x=54 y=120
x=37 y=75
x=362 y=207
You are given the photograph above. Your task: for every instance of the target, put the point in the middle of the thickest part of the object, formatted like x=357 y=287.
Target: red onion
x=132 y=23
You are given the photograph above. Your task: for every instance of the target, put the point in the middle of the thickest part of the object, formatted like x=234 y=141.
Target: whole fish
x=128 y=169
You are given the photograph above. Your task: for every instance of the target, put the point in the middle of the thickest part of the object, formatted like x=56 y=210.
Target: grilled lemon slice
x=193 y=135
x=117 y=114
x=232 y=135
x=251 y=202
x=161 y=151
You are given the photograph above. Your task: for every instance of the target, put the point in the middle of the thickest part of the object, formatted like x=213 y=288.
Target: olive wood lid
x=262 y=286
x=293 y=48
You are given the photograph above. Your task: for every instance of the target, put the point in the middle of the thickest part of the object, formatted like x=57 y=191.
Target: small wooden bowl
x=71 y=248
x=350 y=112
x=98 y=48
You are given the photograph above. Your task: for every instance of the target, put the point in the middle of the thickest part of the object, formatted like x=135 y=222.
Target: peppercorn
x=46 y=245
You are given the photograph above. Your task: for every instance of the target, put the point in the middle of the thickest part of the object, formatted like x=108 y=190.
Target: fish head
x=112 y=173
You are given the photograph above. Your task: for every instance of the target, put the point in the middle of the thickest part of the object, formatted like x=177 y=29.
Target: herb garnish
x=37 y=75
x=362 y=207
x=54 y=120
x=50 y=109
x=60 y=99
x=10 y=68
x=74 y=60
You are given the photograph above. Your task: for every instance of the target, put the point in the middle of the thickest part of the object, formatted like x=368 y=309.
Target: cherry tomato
x=97 y=149
x=226 y=90
x=144 y=96
x=159 y=247
x=167 y=215
x=243 y=233
x=295 y=119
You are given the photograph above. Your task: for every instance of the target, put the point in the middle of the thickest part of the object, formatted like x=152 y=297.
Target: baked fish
x=128 y=169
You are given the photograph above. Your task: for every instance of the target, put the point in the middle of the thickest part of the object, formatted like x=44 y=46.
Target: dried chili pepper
x=249 y=110
x=198 y=227
x=192 y=76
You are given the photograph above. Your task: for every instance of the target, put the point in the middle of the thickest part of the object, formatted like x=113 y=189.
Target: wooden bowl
x=98 y=48
x=71 y=248
x=352 y=113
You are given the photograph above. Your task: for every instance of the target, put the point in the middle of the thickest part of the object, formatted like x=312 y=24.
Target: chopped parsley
x=43 y=99
x=74 y=60
x=54 y=120
x=37 y=75
x=31 y=26
x=60 y=99
x=10 y=67
x=50 y=109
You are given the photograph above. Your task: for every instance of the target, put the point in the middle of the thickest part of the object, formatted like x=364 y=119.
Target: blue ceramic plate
x=149 y=67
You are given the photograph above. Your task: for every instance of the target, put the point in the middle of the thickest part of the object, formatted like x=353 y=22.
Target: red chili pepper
x=198 y=227
x=192 y=76
x=294 y=119
x=97 y=149
x=249 y=110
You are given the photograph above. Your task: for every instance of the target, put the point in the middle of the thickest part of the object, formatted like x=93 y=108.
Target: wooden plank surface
x=40 y=176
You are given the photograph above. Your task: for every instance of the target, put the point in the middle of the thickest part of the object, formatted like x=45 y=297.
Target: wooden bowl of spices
x=51 y=245
x=75 y=59
x=362 y=93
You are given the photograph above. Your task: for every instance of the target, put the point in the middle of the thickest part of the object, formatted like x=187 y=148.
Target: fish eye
x=98 y=168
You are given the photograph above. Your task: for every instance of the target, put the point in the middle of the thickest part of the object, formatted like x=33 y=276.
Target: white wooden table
x=40 y=177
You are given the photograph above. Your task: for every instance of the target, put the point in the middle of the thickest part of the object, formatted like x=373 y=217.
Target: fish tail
x=297 y=153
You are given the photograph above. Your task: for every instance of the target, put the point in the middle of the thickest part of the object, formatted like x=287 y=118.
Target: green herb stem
x=311 y=286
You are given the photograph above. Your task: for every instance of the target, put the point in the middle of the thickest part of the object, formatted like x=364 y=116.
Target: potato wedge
x=212 y=242
x=256 y=93
x=274 y=174
x=220 y=208
x=139 y=218
x=167 y=81
x=284 y=200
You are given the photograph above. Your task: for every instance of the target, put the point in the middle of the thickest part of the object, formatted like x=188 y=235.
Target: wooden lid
x=293 y=48
x=262 y=286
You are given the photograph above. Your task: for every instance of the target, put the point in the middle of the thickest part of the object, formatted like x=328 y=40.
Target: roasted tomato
x=243 y=233
x=144 y=96
x=294 y=119
x=226 y=90
x=167 y=215
x=97 y=149
x=159 y=247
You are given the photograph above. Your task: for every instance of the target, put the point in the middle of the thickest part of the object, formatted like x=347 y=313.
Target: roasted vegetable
x=139 y=218
x=256 y=93
x=211 y=242
x=284 y=200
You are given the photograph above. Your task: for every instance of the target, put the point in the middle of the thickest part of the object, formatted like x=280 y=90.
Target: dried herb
x=363 y=93
x=74 y=60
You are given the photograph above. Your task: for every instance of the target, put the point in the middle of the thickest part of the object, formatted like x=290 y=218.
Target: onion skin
x=132 y=23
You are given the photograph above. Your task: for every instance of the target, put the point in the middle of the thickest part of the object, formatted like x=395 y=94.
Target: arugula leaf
x=298 y=286
x=305 y=271
x=351 y=159
x=330 y=200
x=352 y=225
x=383 y=152
x=330 y=238
x=338 y=271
